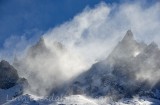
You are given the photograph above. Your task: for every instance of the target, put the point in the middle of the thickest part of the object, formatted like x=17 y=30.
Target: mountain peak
x=128 y=36
x=41 y=41
x=151 y=47
x=39 y=47
x=58 y=45
x=4 y=63
x=40 y=44
x=8 y=75
x=153 y=44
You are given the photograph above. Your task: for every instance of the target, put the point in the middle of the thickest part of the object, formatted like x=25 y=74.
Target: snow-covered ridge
x=131 y=70
x=122 y=74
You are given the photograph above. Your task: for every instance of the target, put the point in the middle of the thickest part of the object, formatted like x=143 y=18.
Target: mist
x=87 y=38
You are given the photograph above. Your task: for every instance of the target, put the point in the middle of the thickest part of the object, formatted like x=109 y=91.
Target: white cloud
x=94 y=32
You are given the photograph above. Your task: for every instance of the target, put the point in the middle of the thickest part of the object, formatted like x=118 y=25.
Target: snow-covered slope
x=79 y=100
x=76 y=99
x=11 y=85
x=11 y=93
x=22 y=100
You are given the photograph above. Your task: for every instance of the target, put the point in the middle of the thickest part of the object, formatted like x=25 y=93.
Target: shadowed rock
x=8 y=75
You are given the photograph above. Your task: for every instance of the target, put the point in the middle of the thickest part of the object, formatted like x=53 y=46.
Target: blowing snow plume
x=50 y=60
x=71 y=48
x=49 y=67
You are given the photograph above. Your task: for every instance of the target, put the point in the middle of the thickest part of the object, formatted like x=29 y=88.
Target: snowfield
x=78 y=100
x=9 y=94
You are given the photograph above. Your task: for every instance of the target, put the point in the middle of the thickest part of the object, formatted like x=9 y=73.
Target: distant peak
x=153 y=45
x=41 y=40
x=39 y=47
x=128 y=36
x=129 y=32
x=4 y=63
x=58 y=44
x=40 y=43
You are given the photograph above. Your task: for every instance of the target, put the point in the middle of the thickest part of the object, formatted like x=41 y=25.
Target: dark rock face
x=8 y=75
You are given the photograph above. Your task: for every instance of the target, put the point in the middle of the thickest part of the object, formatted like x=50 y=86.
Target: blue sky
x=31 y=16
x=23 y=16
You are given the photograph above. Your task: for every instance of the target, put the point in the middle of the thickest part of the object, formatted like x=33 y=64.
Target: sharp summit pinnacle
x=128 y=36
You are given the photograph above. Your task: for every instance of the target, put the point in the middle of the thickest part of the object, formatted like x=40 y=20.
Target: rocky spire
x=39 y=48
x=4 y=63
x=129 y=36
x=40 y=42
x=153 y=45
